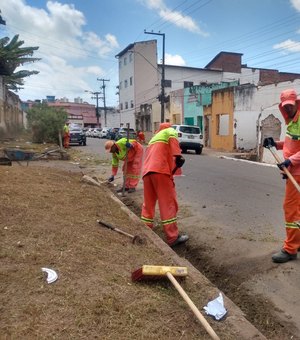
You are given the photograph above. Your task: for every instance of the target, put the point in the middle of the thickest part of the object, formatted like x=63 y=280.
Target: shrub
x=45 y=122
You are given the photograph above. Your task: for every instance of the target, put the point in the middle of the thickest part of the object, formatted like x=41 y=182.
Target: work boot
x=121 y=190
x=180 y=239
x=283 y=256
x=130 y=190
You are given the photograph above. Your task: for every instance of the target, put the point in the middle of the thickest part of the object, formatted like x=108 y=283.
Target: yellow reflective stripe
x=171 y=220
x=132 y=176
x=148 y=220
x=292 y=225
x=158 y=141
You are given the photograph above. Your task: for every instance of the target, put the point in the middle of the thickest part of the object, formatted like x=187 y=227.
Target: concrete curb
x=236 y=318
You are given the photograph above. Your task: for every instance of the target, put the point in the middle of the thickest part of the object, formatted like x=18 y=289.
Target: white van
x=190 y=138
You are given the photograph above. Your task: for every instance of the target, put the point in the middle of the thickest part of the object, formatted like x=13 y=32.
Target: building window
x=125 y=61
x=126 y=105
x=120 y=86
x=120 y=63
x=121 y=106
x=126 y=83
x=168 y=83
x=131 y=104
x=130 y=81
x=130 y=57
x=188 y=84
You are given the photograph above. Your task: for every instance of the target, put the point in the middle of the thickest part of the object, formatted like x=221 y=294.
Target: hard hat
x=108 y=145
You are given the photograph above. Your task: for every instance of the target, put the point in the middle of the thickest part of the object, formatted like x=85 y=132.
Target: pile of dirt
x=49 y=220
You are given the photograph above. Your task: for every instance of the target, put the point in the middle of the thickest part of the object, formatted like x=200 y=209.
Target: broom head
x=154 y=272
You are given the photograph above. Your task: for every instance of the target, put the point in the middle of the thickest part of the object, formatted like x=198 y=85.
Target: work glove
x=269 y=141
x=179 y=161
x=111 y=179
x=128 y=145
x=285 y=164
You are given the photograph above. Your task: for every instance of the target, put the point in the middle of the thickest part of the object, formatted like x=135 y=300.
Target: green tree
x=12 y=55
x=46 y=122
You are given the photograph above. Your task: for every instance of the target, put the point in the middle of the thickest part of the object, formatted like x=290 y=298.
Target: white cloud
x=64 y=46
x=288 y=46
x=174 y=17
x=174 y=60
x=296 y=4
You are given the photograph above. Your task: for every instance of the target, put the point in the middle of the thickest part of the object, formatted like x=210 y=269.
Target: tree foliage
x=12 y=55
x=46 y=122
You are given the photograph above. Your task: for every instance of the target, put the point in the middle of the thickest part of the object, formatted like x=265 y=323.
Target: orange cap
x=288 y=97
x=108 y=145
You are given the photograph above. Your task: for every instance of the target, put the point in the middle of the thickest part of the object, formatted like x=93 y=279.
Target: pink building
x=78 y=111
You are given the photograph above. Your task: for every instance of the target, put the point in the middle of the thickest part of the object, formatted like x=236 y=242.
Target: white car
x=189 y=137
x=96 y=132
x=103 y=133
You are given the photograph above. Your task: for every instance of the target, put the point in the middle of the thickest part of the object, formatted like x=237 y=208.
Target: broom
x=156 y=272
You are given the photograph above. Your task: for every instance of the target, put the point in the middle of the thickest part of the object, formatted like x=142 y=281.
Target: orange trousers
x=161 y=188
x=66 y=140
x=291 y=206
x=134 y=168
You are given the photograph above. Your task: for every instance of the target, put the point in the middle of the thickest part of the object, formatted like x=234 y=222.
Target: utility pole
x=104 y=103
x=96 y=94
x=161 y=97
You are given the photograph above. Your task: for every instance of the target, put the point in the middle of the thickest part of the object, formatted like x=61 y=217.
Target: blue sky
x=78 y=39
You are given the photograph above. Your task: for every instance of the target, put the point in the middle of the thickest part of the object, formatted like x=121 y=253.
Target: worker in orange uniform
x=162 y=158
x=134 y=153
x=141 y=136
x=290 y=110
x=66 y=136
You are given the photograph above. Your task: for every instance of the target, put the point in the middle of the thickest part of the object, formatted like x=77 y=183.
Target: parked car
x=190 y=138
x=103 y=133
x=112 y=133
x=89 y=132
x=77 y=135
x=96 y=132
x=123 y=133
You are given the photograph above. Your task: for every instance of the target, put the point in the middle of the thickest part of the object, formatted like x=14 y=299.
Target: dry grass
x=48 y=219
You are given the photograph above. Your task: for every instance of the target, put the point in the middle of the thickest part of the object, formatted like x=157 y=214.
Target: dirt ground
x=48 y=219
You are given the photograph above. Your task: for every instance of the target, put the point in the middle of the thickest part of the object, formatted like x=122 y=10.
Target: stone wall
x=11 y=115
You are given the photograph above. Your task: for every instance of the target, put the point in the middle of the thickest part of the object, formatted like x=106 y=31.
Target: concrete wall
x=11 y=114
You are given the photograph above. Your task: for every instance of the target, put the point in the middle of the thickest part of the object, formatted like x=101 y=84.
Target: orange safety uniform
x=134 y=161
x=291 y=205
x=141 y=137
x=66 y=136
x=158 y=180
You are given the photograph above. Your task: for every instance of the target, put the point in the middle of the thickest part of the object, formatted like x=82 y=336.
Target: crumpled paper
x=215 y=308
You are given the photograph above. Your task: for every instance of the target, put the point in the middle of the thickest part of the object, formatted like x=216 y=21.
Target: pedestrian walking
x=162 y=158
x=290 y=110
x=133 y=151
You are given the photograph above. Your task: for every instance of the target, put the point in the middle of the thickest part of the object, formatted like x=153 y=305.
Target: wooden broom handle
x=284 y=169
x=195 y=310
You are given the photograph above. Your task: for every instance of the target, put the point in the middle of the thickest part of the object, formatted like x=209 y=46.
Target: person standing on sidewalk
x=66 y=136
x=162 y=158
x=134 y=153
x=290 y=110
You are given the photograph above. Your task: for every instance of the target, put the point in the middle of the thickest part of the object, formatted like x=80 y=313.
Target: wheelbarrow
x=25 y=155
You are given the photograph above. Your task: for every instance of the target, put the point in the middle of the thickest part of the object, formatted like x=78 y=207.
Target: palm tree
x=12 y=55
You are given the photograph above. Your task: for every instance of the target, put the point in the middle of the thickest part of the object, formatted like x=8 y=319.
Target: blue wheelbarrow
x=25 y=155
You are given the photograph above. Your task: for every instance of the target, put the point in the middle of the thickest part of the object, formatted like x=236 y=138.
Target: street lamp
x=96 y=94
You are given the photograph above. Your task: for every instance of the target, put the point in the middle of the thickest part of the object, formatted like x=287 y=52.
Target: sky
x=79 y=39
